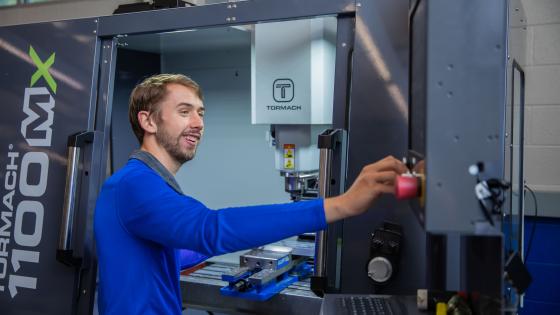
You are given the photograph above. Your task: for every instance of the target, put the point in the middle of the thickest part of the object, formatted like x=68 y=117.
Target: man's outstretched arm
x=149 y=209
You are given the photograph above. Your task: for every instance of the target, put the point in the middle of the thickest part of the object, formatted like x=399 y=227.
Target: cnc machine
x=299 y=96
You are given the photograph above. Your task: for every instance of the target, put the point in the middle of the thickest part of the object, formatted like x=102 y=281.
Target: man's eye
x=184 y=112
x=201 y=114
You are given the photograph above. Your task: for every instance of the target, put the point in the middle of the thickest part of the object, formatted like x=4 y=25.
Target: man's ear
x=147 y=122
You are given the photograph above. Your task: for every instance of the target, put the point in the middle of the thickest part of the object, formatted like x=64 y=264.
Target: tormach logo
x=283 y=91
x=22 y=198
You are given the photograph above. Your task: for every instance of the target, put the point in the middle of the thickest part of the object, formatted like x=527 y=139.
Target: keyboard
x=363 y=305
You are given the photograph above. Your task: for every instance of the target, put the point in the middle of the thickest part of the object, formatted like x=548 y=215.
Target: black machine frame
x=371 y=109
x=369 y=33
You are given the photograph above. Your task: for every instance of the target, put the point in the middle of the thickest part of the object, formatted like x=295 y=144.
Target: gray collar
x=156 y=165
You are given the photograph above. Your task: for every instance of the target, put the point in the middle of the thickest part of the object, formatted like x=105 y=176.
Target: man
x=146 y=230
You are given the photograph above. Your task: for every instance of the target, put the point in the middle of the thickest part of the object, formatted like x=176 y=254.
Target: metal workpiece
x=236 y=273
x=265 y=259
x=200 y=290
x=300 y=247
x=265 y=276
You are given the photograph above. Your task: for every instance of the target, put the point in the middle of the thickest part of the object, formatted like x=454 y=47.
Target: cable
x=530 y=242
x=491 y=196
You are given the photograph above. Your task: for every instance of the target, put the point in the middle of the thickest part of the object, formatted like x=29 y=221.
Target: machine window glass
x=266 y=102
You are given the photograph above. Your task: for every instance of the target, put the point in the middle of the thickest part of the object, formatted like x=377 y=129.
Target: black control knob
x=380 y=269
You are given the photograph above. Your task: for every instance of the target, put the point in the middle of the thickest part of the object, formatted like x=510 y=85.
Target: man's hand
x=374 y=180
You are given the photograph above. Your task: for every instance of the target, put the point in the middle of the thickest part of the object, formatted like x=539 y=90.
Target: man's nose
x=197 y=121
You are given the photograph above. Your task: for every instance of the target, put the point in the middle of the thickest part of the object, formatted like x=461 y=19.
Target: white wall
x=542 y=139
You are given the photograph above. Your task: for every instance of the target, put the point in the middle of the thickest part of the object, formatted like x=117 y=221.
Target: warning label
x=289 y=156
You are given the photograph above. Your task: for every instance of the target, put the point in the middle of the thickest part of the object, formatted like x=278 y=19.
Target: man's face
x=180 y=122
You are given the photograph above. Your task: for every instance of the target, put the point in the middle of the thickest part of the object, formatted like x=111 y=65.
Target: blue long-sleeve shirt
x=146 y=231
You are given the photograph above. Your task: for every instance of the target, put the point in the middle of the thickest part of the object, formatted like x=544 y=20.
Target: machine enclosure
x=292 y=72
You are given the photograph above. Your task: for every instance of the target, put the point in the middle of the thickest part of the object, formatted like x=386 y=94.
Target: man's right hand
x=374 y=179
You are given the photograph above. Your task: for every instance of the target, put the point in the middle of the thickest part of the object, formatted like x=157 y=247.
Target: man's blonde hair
x=147 y=96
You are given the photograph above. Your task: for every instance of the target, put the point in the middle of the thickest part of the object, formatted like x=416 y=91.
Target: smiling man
x=147 y=230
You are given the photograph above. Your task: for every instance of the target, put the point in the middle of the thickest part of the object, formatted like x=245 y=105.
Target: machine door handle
x=65 y=250
x=327 y=144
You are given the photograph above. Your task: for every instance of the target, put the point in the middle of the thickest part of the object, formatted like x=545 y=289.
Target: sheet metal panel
x=466 y=95
x=46 y=79
x=378 y=125
x=228 y=13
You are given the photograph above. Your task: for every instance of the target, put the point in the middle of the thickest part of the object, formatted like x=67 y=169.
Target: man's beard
x=173 y=146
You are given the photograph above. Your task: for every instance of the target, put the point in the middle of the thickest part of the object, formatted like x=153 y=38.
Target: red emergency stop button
x=407 y=187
